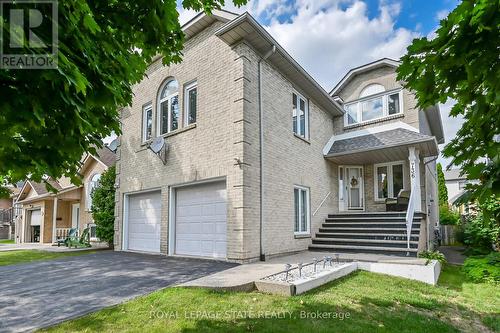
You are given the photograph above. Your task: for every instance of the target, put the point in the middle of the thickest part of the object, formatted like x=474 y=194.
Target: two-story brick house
x=257 y=154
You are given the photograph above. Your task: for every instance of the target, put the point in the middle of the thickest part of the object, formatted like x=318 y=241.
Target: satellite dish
x=157 y=144
x=160 y=148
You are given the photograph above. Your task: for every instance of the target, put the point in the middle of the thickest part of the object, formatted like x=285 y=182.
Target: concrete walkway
x=49 y=247
x=44 y=293
x=242 y=278
x=453 y=254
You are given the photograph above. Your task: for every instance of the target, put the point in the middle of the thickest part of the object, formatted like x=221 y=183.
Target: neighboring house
x=47 y=216
x=455 y=184
x=7 y=213
x=257 y=154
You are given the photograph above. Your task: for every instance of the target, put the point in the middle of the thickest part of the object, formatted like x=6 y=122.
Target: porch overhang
x=379 y=146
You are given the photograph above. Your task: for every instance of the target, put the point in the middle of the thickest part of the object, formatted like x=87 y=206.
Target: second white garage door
x=200 y=228
x=144 y=212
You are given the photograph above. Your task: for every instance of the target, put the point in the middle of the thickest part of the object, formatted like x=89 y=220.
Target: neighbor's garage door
x=144 y=211
x=36 y=217
x=200 y=228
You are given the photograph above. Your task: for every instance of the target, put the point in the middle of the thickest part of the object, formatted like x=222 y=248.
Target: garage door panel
x=144 y=216
x=201 y=220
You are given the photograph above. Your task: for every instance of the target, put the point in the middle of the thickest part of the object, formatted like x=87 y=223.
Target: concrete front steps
x=382 y=233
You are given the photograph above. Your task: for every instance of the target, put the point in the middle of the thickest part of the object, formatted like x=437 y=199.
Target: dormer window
x=374 y=103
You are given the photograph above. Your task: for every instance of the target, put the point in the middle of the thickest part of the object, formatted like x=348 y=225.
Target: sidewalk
x=453 y=254
x=242 y=277
x=47 y=247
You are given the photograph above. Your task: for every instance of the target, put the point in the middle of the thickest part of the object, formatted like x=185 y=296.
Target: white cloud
x=329 y=37
x=442 y=14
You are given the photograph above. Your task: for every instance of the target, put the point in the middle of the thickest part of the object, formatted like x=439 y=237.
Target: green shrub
x=103 y=206
x=481 y=233
x=448 y=216
x=432 y=255
x=483 y=268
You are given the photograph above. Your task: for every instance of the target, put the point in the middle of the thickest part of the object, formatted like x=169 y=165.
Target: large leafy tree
x=103 y=206
x=49 y=118
x=462 y=62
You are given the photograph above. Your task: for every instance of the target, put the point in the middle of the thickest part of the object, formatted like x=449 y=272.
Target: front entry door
x=355 y=188
x=75 y=215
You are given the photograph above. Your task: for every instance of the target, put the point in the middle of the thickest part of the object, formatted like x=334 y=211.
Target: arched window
x=91 y=185
x=168 y=106
x=371 y=89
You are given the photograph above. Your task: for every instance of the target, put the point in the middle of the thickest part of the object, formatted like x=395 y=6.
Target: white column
x=54 y=220
x=415 y=176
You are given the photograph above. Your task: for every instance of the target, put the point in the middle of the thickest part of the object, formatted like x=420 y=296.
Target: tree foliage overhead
x=462 y=62
x=442 y=190
x=103 y=206
x=49 y=118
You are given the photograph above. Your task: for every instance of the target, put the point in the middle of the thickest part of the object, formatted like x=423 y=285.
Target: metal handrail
x=410 y=212
x=322 y=202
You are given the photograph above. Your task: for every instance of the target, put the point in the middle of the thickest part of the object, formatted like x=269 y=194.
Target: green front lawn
x=23 y=256
x=7 y=241
x=367 y=302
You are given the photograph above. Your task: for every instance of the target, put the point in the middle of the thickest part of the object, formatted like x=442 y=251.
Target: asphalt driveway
x=44 y=293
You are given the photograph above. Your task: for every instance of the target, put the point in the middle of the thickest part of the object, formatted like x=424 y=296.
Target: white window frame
x=385 y=107
x=145 y=109
x=187 y=89
x=306 y=115
x=308 y=205
x=90 y=187
x=167 y=99
x=390 y=179
x=90 y=225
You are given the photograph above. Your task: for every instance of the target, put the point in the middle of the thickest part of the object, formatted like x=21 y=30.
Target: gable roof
x=39 y=188
x=246 y=28
x=361 y=69
x=202 y=20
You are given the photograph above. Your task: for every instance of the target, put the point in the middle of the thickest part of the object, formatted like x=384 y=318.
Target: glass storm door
x=354 y=185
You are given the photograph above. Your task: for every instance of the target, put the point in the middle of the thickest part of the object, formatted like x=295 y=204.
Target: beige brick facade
x=224 y=144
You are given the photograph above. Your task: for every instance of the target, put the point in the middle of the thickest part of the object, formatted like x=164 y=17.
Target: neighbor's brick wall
x=204 y=151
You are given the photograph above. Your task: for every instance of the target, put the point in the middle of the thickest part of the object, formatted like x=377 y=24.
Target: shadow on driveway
x=44 y=293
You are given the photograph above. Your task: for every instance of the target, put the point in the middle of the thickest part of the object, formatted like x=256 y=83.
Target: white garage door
x=143 y=227
x=200 y=228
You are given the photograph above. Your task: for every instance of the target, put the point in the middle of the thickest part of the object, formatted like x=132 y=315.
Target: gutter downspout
x=261 y=150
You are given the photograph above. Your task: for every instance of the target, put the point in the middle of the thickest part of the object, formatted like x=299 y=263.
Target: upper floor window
x=462 y=184
x=190 y=103
x=92 y=184
x=147 y=122
x=373 y=104
x=300 y=115
x=168 y=106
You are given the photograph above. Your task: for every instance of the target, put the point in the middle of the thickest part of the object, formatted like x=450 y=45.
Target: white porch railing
x=410 y=212
x=322 y=202
x=62 y=233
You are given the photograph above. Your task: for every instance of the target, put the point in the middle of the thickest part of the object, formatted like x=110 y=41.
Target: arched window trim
x=92 y=183
x=371 y=89
x=169 y=100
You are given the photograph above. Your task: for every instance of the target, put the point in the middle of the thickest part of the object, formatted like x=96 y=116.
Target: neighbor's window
x=301 y=206
x=462 y=184
x=147 y=122
x=168 y=106
x=372 y=107
x=191 y=103
x=300 y=115
x=389 y=180
x=92 y=184
x=92 y=231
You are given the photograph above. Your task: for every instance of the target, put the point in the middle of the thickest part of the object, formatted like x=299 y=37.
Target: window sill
x=301 y=138
x=301 y=236
x=172 y=133
x=374 y=121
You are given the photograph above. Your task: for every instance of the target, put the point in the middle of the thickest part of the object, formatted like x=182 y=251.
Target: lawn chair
x=83 y=241
x=399 y=204
x=72 y=233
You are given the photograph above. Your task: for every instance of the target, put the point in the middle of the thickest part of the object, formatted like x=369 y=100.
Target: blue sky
x=328 y=37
